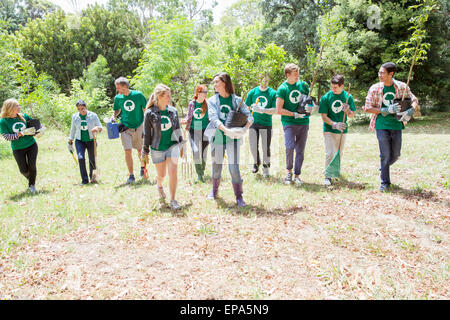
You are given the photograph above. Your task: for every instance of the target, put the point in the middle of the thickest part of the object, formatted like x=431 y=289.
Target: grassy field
x=348 y=241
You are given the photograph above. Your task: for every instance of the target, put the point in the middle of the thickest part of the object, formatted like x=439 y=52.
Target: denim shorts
x=161 y=156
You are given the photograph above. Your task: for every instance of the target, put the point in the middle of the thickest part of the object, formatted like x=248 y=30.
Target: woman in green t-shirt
x=83 y=129
x=196 y=122
x=162 y=140
x=13 y=127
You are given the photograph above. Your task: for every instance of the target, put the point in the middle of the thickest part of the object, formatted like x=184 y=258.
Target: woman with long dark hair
x=226 y=139
x=196 y=122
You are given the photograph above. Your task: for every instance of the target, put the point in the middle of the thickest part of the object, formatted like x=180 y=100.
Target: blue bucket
x=113 y=130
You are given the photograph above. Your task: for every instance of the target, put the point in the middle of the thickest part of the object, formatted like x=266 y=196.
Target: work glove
x=309 y=108
x=40 y=132
x=406 y=115
x=257 y=108
x=29 y=131
x=341 y=126
x=347 y=109
x=393 y=108
x=235 y=133
x=299 y=115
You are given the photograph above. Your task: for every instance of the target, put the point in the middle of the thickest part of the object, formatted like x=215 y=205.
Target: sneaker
x=265 y=172
x=162 y=194
x=255 y=168
x=298 y=181
x=174 y=205
x=327 y=182
x=131 y=179
x=32 y=189
x=141 y=173
x=385 y=187
x=288 y=179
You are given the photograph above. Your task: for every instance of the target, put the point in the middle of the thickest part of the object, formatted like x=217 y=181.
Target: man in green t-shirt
x=262 y=100
x=380 y=103
x=333 y=107
x=295 y=125
x=130 y=105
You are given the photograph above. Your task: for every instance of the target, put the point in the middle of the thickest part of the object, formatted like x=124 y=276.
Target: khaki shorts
x=132 y=138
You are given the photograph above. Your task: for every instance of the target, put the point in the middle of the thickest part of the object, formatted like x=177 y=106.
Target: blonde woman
x=162 y=139
x=13 y=127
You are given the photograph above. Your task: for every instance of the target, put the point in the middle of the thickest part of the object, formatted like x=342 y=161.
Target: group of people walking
x=152 y=127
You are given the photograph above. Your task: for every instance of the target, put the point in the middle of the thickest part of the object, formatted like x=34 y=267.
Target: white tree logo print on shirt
x=84 y=126
x=165 y=123
x=128 y=105
x=18 y=127
x=262 y=101
x=294 y=96
x=388 y=98
x=224 y=109
x=337 y=106
x=198 y=114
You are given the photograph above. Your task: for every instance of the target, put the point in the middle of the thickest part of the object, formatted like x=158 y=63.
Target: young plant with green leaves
x=414 y=50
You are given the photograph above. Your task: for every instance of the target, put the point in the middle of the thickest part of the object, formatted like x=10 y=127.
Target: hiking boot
x=162 y=194
x=174 y=205
x=327 y=182
x=288 y=179
x=237 y=187
x=131 y=179
x=32 y=189
x=385 y=187
x=215 y=189
x=298 y=181
x=255 y=168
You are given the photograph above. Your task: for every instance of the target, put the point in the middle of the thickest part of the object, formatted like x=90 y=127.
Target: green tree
x=167 y=59
x=16 y=13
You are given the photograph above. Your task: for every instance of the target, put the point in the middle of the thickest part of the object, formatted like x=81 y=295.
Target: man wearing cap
x=130 y=104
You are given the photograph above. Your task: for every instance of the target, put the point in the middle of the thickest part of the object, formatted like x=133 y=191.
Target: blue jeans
x=81 y=147
x=295 y=139
x=390 y=144
x=218 y=153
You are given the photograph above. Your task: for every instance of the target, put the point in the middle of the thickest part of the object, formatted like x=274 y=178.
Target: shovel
x=95 y=172
x=73 y=156
x=186 y=165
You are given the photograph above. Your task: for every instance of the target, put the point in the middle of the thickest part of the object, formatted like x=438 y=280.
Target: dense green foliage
x=49 y=58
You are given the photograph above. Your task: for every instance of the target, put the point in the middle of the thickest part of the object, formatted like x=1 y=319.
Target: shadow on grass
x=259 y=211
x=181 y=213
x=27 y=194
x=417 y=194
x=342 y=182
x=137 y=184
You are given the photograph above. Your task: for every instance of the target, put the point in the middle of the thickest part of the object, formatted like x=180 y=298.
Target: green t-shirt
x=226 y=105
x=166 y=132
x=132 y=108
x=267 y=100
x=291 y=94
x=15 y=125
x=199 y=120
x=389 y=122
x=333 y=106
x=84 y=129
